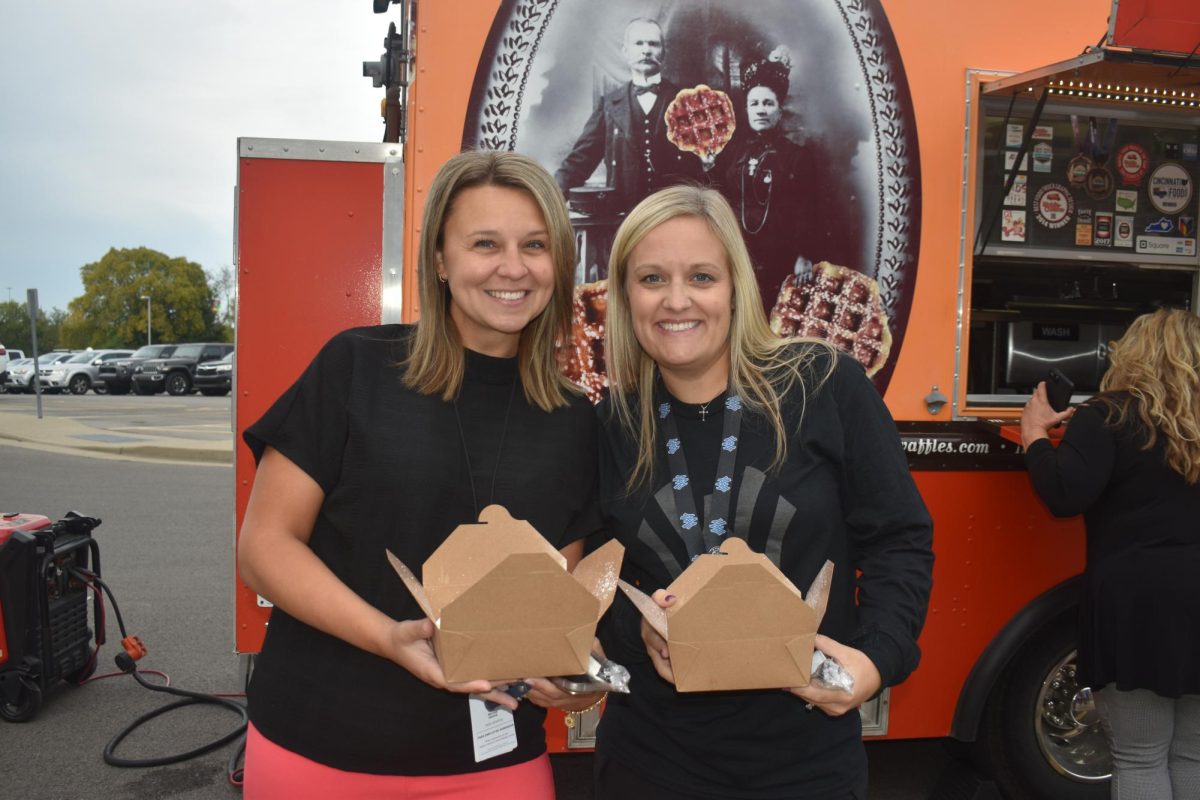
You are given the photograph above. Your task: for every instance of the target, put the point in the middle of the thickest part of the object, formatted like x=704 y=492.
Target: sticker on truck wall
x=1123 y=231
x=823 y=165
x=1053 y=206
x=1132 y=163
x=1170 y=188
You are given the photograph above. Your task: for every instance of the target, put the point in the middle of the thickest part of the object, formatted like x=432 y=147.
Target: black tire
x=27 y=705
x=1030 y=741
x=214 y=392
x=79 y=383
x=140 y=390
x=100 y=388
x=178 y=383
x=119 y=390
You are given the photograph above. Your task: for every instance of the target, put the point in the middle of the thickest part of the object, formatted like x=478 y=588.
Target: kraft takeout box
x=504 y=606
x=737 y=622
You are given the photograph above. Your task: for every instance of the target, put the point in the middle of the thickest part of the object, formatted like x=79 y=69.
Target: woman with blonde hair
x=716 y=428
x=1130 y=463
x=394 y=436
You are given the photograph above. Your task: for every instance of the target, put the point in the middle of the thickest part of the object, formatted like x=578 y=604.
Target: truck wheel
x=137 y=389
x=1041 y=736
x=27 y=704
x=79 y=383
x=118 y=390
x=178 y=383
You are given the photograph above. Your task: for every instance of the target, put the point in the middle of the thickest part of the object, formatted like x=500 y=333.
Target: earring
x=442 y=278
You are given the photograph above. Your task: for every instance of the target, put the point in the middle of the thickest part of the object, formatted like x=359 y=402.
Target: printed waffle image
x=585 y=351
x=841 y=306
x=700 y=120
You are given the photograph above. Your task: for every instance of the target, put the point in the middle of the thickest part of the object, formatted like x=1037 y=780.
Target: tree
x=224 y=291
x=112 y=313
x=14 y=327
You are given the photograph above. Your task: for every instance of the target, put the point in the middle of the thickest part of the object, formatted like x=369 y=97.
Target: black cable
x=126 y=663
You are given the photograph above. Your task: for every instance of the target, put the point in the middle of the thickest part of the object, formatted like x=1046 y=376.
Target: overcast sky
x=119 y=120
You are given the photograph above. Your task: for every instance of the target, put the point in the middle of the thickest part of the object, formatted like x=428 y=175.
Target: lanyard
x=697 y=536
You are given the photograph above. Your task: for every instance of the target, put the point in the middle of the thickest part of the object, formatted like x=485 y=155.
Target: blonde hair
x=1155 y=368
x=763 y=368
x=436 y=362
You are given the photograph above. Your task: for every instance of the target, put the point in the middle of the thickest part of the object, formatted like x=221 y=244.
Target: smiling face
x=680 y=294
x=643 y=48
x=762 y=108
x=495 y=256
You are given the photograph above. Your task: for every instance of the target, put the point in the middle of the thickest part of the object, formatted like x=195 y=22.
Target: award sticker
x=1132 y=163
x=1127 y=200
x=1014 y=135
x=1123 y=231
x=1170 y=188
x=1083 y=228
x=1012 y=226
x=1053 y=206
x=1018 y=196
x=1102 y=233
x=1045 y=132
x=1043 y=156
x=1078 y=169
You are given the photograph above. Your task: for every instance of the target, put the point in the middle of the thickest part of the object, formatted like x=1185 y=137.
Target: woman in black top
x=1130 y=463
x=393 y=437
x=813 y=471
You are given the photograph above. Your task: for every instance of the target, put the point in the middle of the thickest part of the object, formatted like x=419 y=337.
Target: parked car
x=173 y=373
x=78 y=373
x=7 y=357
x=215 y=378
x=17 y=375
x=20 y=376
x=116 y=377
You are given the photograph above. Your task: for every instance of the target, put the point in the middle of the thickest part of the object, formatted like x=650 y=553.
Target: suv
x=20 y=376
x=116 y=377
x=174 y=373
x=216 y=377
x=7 y=358
x=79 y=372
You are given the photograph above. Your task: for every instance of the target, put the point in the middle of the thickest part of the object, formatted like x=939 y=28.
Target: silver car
x=20 y=376
x=78 y=373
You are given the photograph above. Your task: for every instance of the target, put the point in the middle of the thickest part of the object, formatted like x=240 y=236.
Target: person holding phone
x=1130 y=463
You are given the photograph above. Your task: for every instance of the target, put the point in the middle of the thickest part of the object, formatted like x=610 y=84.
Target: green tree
x=112 y=312
x=14 y=327
x=224 y=291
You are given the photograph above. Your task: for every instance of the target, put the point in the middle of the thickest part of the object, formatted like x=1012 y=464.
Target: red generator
x=44 y=633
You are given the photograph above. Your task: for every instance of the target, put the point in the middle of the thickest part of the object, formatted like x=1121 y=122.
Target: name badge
x=493 y=733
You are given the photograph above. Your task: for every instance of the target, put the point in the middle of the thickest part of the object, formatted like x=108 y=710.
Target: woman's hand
x=545 y=693
x=656 y=645
x=1037 y=417
x=836 y=702
x=409 y=646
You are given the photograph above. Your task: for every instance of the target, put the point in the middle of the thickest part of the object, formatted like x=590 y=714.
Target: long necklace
x=462 y=437
x=697 y=536
x=767 y=180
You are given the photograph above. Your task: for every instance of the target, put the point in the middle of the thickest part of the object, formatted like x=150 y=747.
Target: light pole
x=146 y=297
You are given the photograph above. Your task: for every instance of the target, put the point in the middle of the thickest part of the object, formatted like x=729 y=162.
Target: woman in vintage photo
x=716 y=428
x=1130 y=463
x=393 y=437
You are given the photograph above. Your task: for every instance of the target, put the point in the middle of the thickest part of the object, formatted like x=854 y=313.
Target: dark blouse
x=1140 y=615
x=844 y=494
x=392 y=466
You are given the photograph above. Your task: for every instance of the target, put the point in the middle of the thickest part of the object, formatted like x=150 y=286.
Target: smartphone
x=1058 y=390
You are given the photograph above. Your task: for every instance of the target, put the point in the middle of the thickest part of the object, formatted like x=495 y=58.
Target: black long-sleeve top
x=1140 y=614
x=844 y=494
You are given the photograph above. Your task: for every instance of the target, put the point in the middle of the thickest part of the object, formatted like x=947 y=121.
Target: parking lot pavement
x=190 y=429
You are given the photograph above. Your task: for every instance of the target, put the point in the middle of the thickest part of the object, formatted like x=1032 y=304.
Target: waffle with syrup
x=841 y=306
x=700 y=120
x=585 y=351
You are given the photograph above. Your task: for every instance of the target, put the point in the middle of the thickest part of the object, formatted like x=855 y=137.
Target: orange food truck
x=974 y=192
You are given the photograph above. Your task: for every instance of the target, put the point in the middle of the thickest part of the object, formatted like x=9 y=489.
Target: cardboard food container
x=504 y=606
x=738 y=622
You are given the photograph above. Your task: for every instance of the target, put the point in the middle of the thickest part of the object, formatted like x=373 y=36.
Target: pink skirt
x=273 y=772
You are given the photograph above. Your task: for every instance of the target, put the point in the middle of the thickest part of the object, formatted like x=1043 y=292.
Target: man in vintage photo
x=627 y=129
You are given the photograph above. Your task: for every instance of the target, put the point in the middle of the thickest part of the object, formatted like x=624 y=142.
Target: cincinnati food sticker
x=1122 y=231
x=1012 y=228
x=1170 y=188
x=1018 y=196
x=1043 y=157
x=1132 y=163
x=1053 y=206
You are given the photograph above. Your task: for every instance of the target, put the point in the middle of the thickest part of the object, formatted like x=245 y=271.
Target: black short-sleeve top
x=393 y=464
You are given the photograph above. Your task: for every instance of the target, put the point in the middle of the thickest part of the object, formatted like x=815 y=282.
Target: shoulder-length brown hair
x=1154 y=370
x=763 y=367
x=435 y=363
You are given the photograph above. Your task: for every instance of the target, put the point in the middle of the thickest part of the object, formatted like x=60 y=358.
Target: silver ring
x=808 y=706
